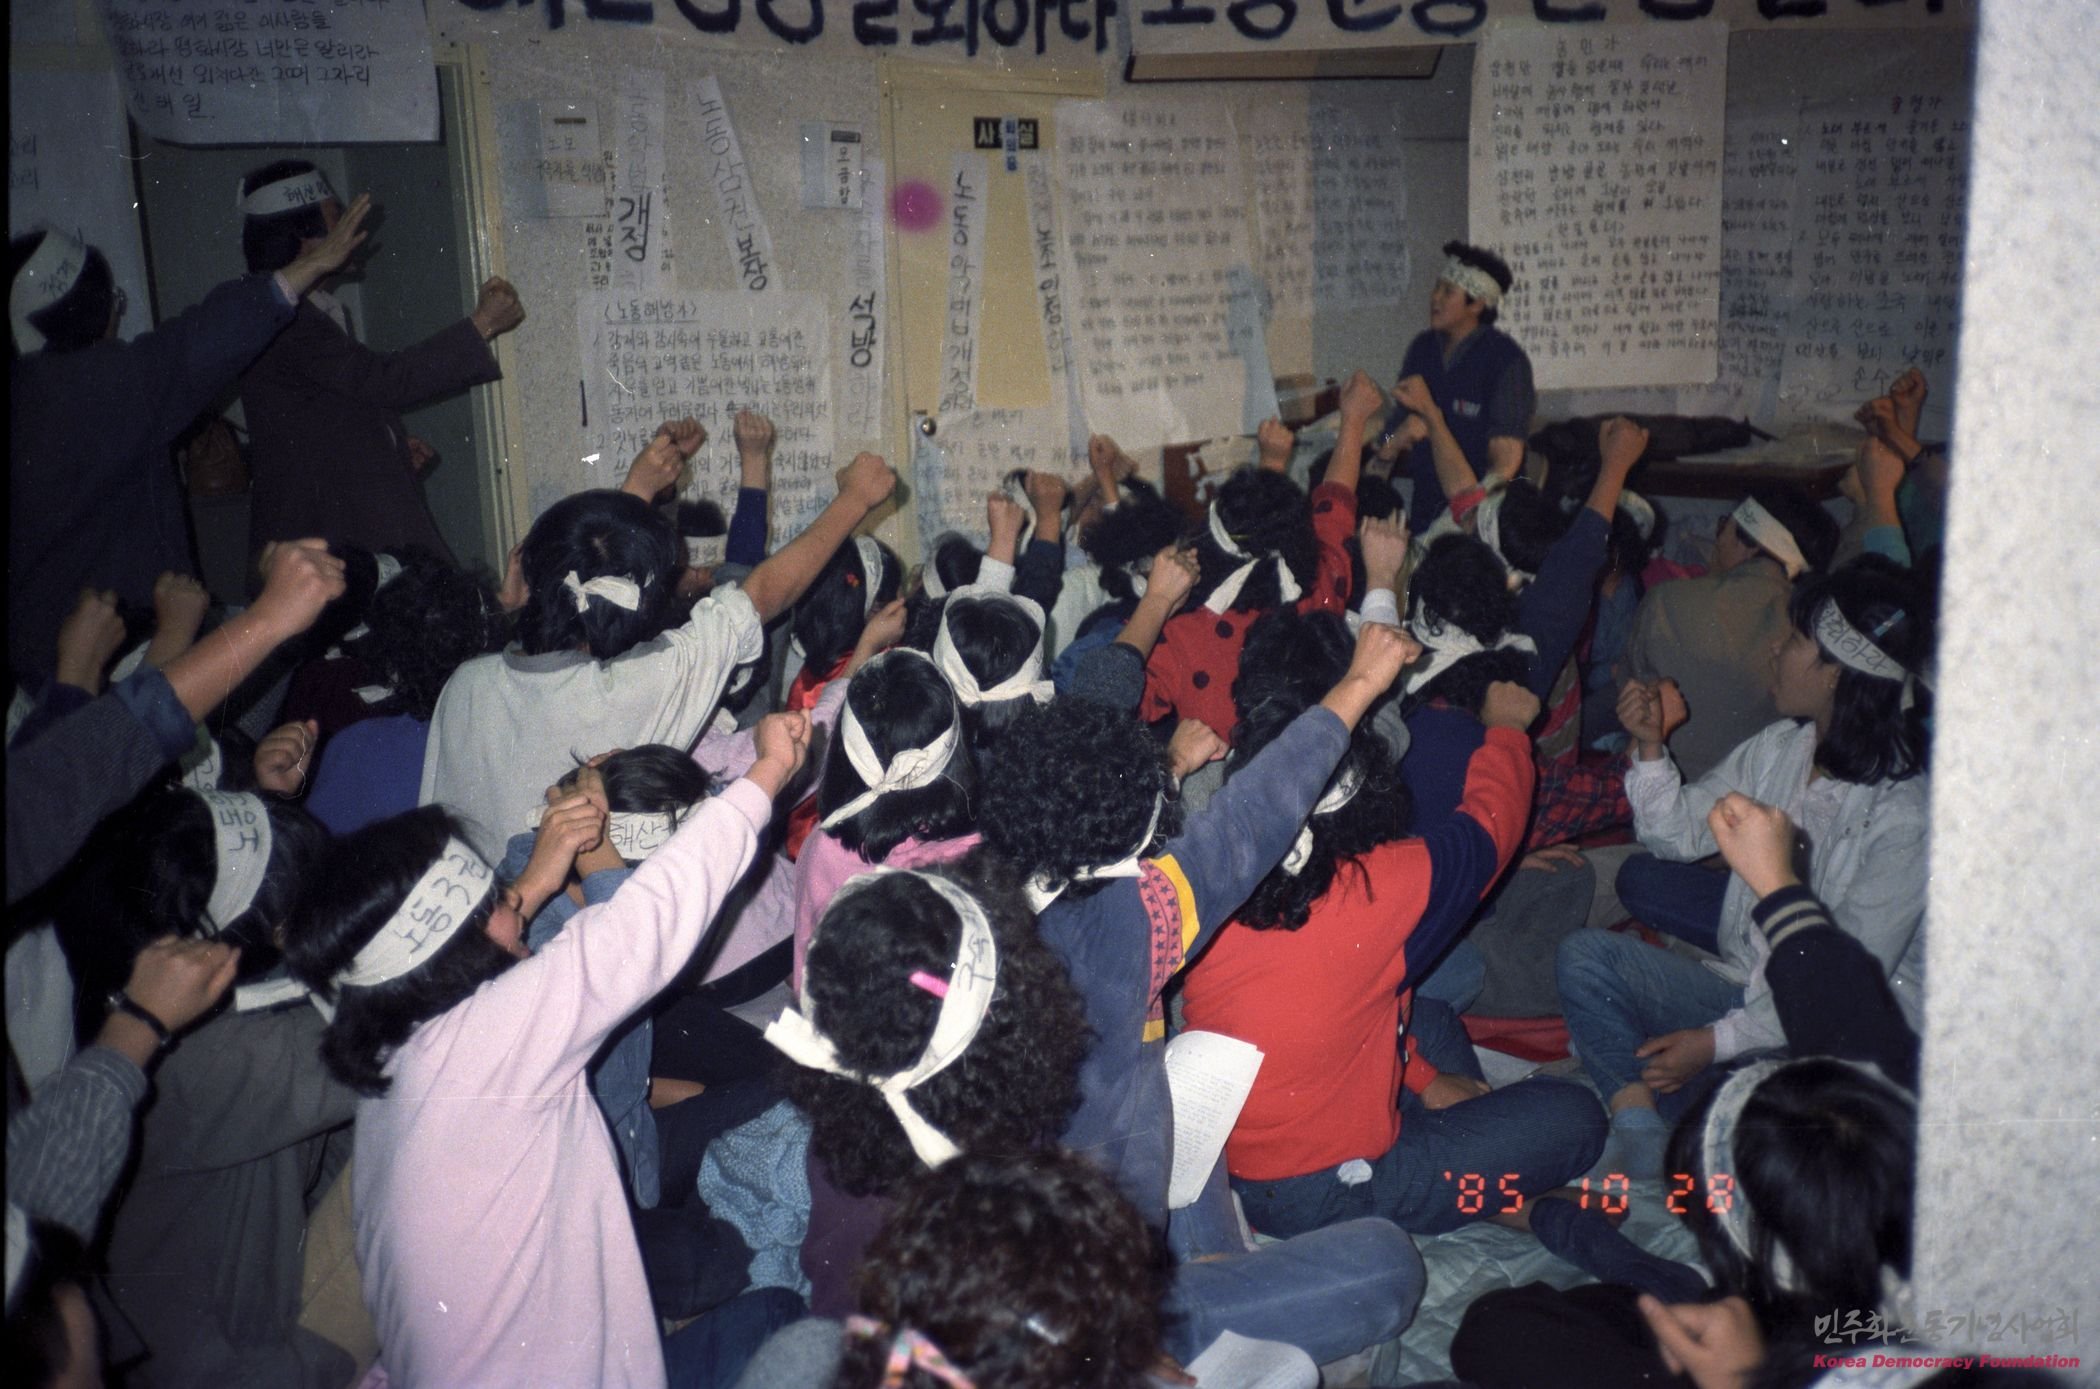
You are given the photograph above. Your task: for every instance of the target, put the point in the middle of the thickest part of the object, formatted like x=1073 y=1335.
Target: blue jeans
x=1618 y=991
x=1329 y=1292
x=711 y=1353
x=1681 y=899
x=1535 y=1135
x=1457 y=978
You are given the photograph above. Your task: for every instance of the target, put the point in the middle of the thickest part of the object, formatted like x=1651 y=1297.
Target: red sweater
x=1324 y=1002
x=1191 y=670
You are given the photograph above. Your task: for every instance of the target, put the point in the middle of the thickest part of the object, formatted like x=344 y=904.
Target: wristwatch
x=121 y=1002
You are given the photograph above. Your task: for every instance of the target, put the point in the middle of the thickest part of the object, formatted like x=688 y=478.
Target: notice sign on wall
x=278 y=72
x=1596 y=173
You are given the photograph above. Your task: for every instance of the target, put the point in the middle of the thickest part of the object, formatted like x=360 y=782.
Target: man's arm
x=1509 y=409
x=774 y=585
x=1361 y=399
x=1453 y=473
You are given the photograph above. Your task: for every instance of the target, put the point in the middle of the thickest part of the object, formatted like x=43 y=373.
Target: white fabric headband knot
x=1346 y=784
x=1854 y=650
x=48 y=276
x=1487 y=525
x=1477 y=283
x=966 y=995
x=634 y=834
x=1775 y=539
x=1641 y=510
x=908 y=770
x=1015 y=486
x=870 y=554
x=240 y=826
x=616 y=589
x=930 y=576
x=389 y=569
x=1026 y=681
x=1449 y=643
x=1228 y=590
x=437 y=906
x=285 y=195
x=1041 y=893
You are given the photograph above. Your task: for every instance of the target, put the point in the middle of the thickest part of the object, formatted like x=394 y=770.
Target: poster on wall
x=969 y=457
x=69 y=166
x=708 y=355
x=1160 y=250
x=325 y=72
x=1595 y=166
x=1330 y=196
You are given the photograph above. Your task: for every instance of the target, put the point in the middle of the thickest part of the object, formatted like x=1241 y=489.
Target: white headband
x=1487 y=525
x=706 y=551
x=870 y=554
x=1448 y=644
x=389 y=570
x=285 y=195
x=616 y=589
x=966 y=995
x=1015 y=486
x=930 y=575
x=1228 y=590
x=240 y=826
x=1854 y=650
x=1041 y=894
x=440 y=902
x=45 y=278
x=1473 y=280
x=909 y=770
x=1775 y=539
x=205 y=775
x=635 y=834
x=1340 y=793
x=1641 y=510
x=1026 y=681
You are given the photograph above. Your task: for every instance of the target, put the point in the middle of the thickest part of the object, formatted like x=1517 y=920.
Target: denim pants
x=711 y=1353
x=1449 y=1167
x=1329 y=1292
x=1681 y=899
x=1618 y=991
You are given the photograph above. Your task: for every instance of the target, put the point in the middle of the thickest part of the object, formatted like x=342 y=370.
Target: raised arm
x=1361 y=399
x=774 y=585
x=1453 y=473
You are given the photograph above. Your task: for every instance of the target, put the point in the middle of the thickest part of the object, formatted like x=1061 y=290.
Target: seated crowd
x=763 y=972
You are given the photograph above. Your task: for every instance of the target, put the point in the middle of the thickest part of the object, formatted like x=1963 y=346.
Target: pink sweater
x=492 y=1235
x=827 y=865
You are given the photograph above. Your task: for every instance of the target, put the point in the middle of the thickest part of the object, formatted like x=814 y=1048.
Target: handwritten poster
x=1757 y=257
x=1330 y=195
x=1878 y=253
x=861 y=328
x=1156 y=223
x=1596 y=173
x=736 y=205
x=69 y=165
x=282 y=72
x=631 y=246
x=1047 y=261
x=969 y=457
x=967 y=191
x=660 y=357
x=573 y=171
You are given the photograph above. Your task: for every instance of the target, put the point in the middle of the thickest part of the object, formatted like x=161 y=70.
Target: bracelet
x=122 y=1002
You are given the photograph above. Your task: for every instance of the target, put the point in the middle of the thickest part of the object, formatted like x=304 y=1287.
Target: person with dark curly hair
x=1126 y=894
x=1848 y=763
x=425 y=622
x=1319 y=966
x=460 y=1041
x=1265 y=544
x=958 y=1271
x=990 y=646
x=1122 y=525
x=931 y=1023
x=1466 y=381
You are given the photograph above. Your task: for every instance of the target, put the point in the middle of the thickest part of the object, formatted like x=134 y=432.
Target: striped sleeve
x=65 y=1151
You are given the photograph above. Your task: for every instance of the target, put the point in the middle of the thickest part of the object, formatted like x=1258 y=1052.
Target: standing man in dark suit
x=1467 y=382
x=328 y=450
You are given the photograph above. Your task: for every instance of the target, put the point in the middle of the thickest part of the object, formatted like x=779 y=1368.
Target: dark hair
x=38 y=1349
x=831 y=614
x=590 y=534
x=1482 y=259
x=149 y=871
x=1824 y=1157
x=1142 y=524
x=1814 y=530
x=1462 y=583
x=272 y=242
x=1010 y=1092
x=358 y=888
x=994 y=637
x=1266 y=514
x=965 y=1261
x=1076 y=785
x=701 y=518
x=1529 y=524
x=78 y=318
x=345 y=612
x=957 y=562
x=901 y=702
x=1289 y=663
x=1630 y=550
x=653 y=779
x=426 y=624
x=1872 y=737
